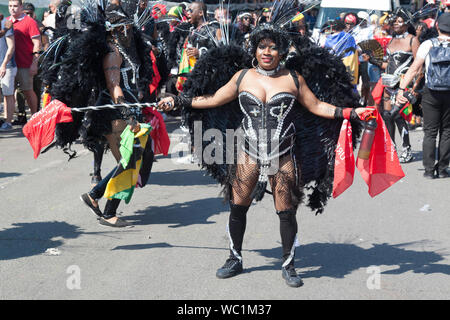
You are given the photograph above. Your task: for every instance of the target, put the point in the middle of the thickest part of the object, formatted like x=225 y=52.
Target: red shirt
x=25 y=28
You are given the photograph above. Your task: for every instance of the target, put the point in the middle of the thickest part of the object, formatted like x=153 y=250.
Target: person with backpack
x=435 y=53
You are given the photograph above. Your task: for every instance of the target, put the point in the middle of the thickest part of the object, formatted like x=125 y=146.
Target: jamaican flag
x=135 y=165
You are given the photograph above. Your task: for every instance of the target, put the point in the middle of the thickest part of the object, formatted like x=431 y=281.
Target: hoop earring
x=253 y=63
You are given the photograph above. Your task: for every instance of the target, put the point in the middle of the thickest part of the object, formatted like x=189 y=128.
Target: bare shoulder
x=113 y=56
x=243 y=73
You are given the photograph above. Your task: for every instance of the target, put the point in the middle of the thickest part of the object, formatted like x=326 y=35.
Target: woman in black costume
x=270 y=97
x=400 y=55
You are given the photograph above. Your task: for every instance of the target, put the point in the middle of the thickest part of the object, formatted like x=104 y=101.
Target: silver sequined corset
x=268 y=128
x=399 y=62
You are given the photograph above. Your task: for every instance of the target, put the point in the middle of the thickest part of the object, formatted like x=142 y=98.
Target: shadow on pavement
x=9 y=174
x=144 y=246
x=336 y=260
x=180 y=178
x=180 y=214
x=14 y=133
x=29 y=239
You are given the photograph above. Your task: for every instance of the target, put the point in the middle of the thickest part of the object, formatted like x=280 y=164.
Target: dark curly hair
x=269 y=32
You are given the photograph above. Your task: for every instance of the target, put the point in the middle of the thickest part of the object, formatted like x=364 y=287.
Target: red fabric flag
x=40 y=129
x=377 y=92
x=156 y=77
x=344 y=165
x=382 y=169
x=160 y=137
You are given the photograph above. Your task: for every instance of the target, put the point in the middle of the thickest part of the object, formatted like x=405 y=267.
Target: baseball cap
x=350 y=18
x=444 y=22
x=363 y=15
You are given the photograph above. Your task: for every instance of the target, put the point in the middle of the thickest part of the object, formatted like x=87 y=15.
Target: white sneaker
x=6 y=127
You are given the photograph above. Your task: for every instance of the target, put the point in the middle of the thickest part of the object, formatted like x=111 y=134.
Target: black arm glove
x=375 y=62
x=182 y=101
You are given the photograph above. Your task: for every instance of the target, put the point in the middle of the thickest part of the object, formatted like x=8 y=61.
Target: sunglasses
x=245 y=18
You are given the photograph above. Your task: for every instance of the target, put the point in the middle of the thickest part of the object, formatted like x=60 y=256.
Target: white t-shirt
x=424 y=50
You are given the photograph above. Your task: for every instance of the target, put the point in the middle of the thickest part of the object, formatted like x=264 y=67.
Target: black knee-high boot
x=236 y=229
x=390 y=124
x=288 y=232
x=237 y=223
x=406 y=154
x=403 y=128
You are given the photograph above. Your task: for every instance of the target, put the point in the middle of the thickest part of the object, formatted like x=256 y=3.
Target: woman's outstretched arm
x=320 y=108
x=225 y=94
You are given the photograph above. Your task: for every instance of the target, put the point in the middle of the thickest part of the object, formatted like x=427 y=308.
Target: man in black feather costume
x=289 y=135
x=121 y=67
x=103 y=62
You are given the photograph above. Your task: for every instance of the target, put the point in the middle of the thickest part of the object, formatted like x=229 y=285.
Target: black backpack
x=438 y=73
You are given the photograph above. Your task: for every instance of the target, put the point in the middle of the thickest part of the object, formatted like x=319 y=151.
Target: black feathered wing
x=213 y=70
x=72 y=71
x=317 y=137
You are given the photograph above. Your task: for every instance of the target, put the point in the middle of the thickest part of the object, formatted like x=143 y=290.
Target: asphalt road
x=393 y=246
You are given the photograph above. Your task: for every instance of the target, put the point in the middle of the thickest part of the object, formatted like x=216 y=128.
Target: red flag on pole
x=40 y=129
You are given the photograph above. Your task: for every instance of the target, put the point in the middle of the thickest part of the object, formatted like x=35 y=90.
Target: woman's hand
x=400 y=99
x=364 y=113
x=166 y=104
x=135 y=127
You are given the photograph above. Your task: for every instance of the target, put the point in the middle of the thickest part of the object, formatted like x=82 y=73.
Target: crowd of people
x=128 y=54
x=353 y=36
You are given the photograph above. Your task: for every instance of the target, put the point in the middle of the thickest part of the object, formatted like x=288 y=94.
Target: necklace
x=267 y=73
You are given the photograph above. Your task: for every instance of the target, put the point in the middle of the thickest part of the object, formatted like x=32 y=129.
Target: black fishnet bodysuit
x=266 y=155
x=269 y=135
